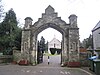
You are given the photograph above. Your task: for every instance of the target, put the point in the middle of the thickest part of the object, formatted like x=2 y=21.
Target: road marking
x=23 y=70
x=68 y=72
x=61 y=72
x=86 y=71
x=41 y=71
x=50 y=67
x=65 y=72
x=28 y=71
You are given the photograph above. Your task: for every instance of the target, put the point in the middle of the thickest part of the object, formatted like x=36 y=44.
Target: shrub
x=58 y=51
x=53 y=51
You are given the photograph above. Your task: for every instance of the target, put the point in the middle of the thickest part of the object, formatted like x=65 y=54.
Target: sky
x=87 y=11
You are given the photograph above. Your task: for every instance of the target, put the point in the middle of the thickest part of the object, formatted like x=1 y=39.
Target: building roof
x=96 y=27
x=54 y=39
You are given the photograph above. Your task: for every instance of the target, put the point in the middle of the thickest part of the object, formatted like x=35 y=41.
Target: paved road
x=41 y=69
x=53 y=60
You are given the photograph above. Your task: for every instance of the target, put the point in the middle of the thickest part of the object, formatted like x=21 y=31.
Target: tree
x=53 y=51
x=39 y=54
x=46 y=47
x=88 y=42
x=17 y=41
x=42 y=44
x=10 y=33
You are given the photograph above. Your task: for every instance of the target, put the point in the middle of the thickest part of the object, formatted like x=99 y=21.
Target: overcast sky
x=88 y=12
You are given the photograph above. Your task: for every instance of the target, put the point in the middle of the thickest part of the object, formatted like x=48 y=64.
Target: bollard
x=48 y=60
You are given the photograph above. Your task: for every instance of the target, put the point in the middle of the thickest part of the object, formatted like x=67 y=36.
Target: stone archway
x=70 y=36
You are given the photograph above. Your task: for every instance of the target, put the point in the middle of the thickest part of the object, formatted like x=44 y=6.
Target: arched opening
x=53 y=40
x=34 y=41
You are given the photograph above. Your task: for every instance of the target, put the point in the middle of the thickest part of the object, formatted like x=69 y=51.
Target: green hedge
x=58 y=51
x=53 y=51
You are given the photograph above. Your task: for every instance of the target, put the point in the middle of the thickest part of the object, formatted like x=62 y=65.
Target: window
x=54 y=45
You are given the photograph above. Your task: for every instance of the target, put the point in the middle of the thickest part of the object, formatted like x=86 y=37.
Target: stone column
x=25 y=42
x=73 y=47
x=65 y=49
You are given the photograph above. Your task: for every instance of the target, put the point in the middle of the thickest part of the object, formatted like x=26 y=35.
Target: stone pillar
x=28 y=22
x=73 y=47
x=73 y=41
x=25 y=42
x=73 y=20
x=34 y=51
x=65 y=49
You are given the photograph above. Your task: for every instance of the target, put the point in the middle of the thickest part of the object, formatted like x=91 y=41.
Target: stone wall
x=16 y=55
x=84 y=57
x=6 y=58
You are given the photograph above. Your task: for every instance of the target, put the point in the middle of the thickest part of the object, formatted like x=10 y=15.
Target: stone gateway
x=70 y=36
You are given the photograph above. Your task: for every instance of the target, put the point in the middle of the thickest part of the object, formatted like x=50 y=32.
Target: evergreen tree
x=42 y=44
x=88 y=42
x=17 y=42
x=10 y=33
x=46 y=47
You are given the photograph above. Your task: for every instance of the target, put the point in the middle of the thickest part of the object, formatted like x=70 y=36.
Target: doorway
x=48 y=39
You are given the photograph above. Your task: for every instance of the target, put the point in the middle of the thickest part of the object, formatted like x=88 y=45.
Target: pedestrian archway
x=49 y=46
x=70 y=36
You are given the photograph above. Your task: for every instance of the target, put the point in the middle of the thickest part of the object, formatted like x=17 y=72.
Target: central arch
x=54 y=26
x=70 y=36
x=35 y=31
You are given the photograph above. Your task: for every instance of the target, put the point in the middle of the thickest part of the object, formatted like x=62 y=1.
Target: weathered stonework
x=70 y=36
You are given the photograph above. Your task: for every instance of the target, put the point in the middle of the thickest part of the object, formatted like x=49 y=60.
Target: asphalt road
x=42 y=69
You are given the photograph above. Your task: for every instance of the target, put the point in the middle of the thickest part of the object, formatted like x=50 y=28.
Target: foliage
x=17 y=41
x=58 y=51
x=53 y=51
x=10 y=33
x=42 y=44
x=39 y=54
x=7 y=51
x=46 y=47
x=88 y=42
x=41 y=48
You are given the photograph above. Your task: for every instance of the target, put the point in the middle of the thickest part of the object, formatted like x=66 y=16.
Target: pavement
x=43 y=69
